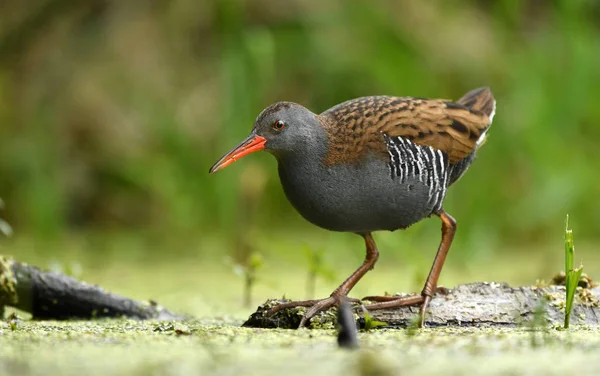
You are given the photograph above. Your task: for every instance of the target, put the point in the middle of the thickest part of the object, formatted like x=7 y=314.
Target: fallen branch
x=52 y=295
x=477 y=304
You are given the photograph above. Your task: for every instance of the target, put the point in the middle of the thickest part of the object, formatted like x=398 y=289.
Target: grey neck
x=308 y=151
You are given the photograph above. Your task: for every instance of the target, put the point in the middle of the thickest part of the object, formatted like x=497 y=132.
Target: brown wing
x=355 y=127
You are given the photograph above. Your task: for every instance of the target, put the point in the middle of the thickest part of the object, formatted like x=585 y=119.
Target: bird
x=373 y=163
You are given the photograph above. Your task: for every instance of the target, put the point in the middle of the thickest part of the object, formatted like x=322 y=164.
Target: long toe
x=384 y=302
x=388 y=298
x=294 y=304
x=325 y=304
x=315 y=306
x=321 y=305
x=385 y=298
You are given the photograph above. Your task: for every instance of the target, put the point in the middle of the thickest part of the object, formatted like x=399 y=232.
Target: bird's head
x=281 y=128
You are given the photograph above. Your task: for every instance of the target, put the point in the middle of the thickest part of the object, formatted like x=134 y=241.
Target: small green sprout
x=572 y=275
x=13 y=321
x=413 y=326
x=370 y=322
x=73 y=269
x=539 y=324
x=316 y=268
x=248 y=270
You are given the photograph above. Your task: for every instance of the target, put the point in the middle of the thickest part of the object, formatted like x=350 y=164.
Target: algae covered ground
x=215 y=344
x=123 y=347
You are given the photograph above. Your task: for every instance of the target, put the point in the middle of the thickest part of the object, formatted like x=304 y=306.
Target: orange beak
x=251 y=144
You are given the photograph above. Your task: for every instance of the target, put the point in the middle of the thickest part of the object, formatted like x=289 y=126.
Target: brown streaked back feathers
x=356 y=126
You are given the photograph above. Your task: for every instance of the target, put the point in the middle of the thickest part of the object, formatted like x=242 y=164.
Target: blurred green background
x=111 y=113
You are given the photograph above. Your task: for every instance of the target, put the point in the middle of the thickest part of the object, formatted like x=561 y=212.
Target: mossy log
x=55 y=296
x=476 y=304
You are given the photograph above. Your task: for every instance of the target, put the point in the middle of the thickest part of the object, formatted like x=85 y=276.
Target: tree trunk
x=55 y=296
x=476 y=304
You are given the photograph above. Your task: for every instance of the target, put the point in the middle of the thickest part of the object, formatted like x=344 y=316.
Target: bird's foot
x=383 y=302
x=315 y=306
x=388 y=298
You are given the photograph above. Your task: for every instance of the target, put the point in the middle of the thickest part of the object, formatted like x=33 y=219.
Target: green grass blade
x=574 y=276
x=571 y=275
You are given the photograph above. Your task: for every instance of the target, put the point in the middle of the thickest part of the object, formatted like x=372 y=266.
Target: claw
x=422 y=311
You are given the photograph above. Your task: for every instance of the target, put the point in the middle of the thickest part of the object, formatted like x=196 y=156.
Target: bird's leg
x=341 y=292
x=448 y=231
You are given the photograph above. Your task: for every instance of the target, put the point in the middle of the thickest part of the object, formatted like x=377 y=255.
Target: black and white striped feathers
x=409 y=161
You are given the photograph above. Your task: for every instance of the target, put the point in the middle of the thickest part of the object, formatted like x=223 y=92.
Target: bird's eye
x=279 y=125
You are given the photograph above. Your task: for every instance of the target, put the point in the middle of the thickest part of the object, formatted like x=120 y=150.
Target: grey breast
x=370 y=196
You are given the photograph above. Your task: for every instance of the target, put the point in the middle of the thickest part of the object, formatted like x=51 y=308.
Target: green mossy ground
x=216 y=344
x=124 y=347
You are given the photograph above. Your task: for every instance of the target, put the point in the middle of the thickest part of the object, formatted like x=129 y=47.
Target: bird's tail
x=481 y=100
